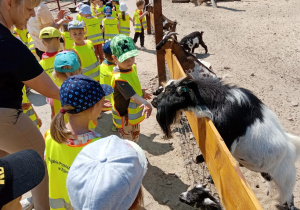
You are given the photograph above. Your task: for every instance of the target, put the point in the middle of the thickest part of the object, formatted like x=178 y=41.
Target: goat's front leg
x=203 y=45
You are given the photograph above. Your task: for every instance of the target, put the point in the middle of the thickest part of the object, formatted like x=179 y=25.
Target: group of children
x=87 y=88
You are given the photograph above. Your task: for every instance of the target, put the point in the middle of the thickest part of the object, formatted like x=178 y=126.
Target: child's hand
x=146 y=95
x=61 y=14
x=25 y=106
x=147 y=109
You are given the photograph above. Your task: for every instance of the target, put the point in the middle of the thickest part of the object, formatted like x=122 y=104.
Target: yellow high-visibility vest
x=110 y=28
x=94 y=32
x=59 y=158
x=30 y=44
x=134 y=111
x=137 y=22
x=68 y=41
x=117 y=8
x=105 y=78
x=21 y=34
x=114 y=14
x=98 y=9
x=124 y=24
x=79 y=17
x=48 y=66
x=89 y=62
x=30 y=113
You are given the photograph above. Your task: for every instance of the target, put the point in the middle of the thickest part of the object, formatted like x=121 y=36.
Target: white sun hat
x=123 y=7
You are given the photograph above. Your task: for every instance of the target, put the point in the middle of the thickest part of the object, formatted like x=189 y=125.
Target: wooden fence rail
x=234 y=191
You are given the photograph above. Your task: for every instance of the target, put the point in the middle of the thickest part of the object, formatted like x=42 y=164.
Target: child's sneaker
x=114 y=128
x=143 y=48
x=27 y=204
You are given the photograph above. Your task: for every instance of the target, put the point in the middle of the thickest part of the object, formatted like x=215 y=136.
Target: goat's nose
x=154 y=102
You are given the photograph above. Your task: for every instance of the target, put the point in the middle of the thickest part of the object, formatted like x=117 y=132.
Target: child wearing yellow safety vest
x=93 y=30
x=84 y=50
x=29 y=111
x=129 y=103
x=113 y=11
x=97 y=9
x=110 y=24
x=124 y=20
x=21 y=34
x=68 y=41
x=81 y=99
x=139 y=22
x=116 y=6
x=51 y=39
x=62 y=71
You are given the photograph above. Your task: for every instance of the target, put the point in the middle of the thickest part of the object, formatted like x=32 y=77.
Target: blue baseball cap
x=85 y=9
x=107 y=10
x=107 y=174
x=82 y=92
x=66 y=58
x=75 y=24
x=106 y=48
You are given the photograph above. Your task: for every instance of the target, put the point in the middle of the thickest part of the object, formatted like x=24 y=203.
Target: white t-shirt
x=35 y=24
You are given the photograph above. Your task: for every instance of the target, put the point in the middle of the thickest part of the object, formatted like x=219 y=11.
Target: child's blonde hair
x=63 y=76
x=139 y=201
x=140 y=2
x=58 y=129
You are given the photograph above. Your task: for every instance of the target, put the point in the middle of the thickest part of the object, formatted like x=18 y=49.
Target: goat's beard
x=166 y=116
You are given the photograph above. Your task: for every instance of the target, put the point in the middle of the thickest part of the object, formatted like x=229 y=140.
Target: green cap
x=123 y=47
x=49 y=32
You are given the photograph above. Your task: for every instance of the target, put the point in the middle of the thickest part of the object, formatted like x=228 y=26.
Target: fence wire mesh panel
x=198 y=173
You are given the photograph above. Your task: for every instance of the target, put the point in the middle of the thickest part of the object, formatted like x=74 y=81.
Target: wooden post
x=160 y=57
x=148 y=19
x=213 y=3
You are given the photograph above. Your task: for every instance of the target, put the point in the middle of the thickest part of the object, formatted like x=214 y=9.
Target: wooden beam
x=234 y=191
x=158 y=21
x=148 y=20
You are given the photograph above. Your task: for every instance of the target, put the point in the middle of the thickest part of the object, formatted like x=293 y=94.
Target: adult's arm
x=44 y=85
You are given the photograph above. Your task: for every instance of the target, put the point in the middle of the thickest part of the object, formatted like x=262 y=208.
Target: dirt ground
x=257 y=43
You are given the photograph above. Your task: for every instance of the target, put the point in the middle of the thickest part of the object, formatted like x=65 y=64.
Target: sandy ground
x=257 y=43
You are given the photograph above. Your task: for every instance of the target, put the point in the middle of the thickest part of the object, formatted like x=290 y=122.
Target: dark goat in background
x=191 y=41
x=249 y=129
x=200 y=197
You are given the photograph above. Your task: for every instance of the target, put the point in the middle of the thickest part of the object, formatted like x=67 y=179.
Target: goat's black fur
x=233 y=121
x=190 y=42
x=200 y=197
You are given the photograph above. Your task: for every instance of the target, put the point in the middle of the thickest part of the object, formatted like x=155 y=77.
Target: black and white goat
x=250 y=130
x=192 y=41
x=200 y=197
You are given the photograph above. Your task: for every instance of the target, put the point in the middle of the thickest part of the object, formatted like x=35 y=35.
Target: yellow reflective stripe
x=135 y=116
x=110 y=35
x=126 y=28
x=90 y=67
x=138 y=25
x=94 y=36
x=125 y=33
x=94 y=76
x=31 y=115
x=59 y=203
x=97 y=40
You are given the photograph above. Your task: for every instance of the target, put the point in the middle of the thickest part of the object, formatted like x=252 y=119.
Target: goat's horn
x=187 y=77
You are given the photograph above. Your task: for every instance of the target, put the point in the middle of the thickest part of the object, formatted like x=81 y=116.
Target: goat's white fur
x=266 y=147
